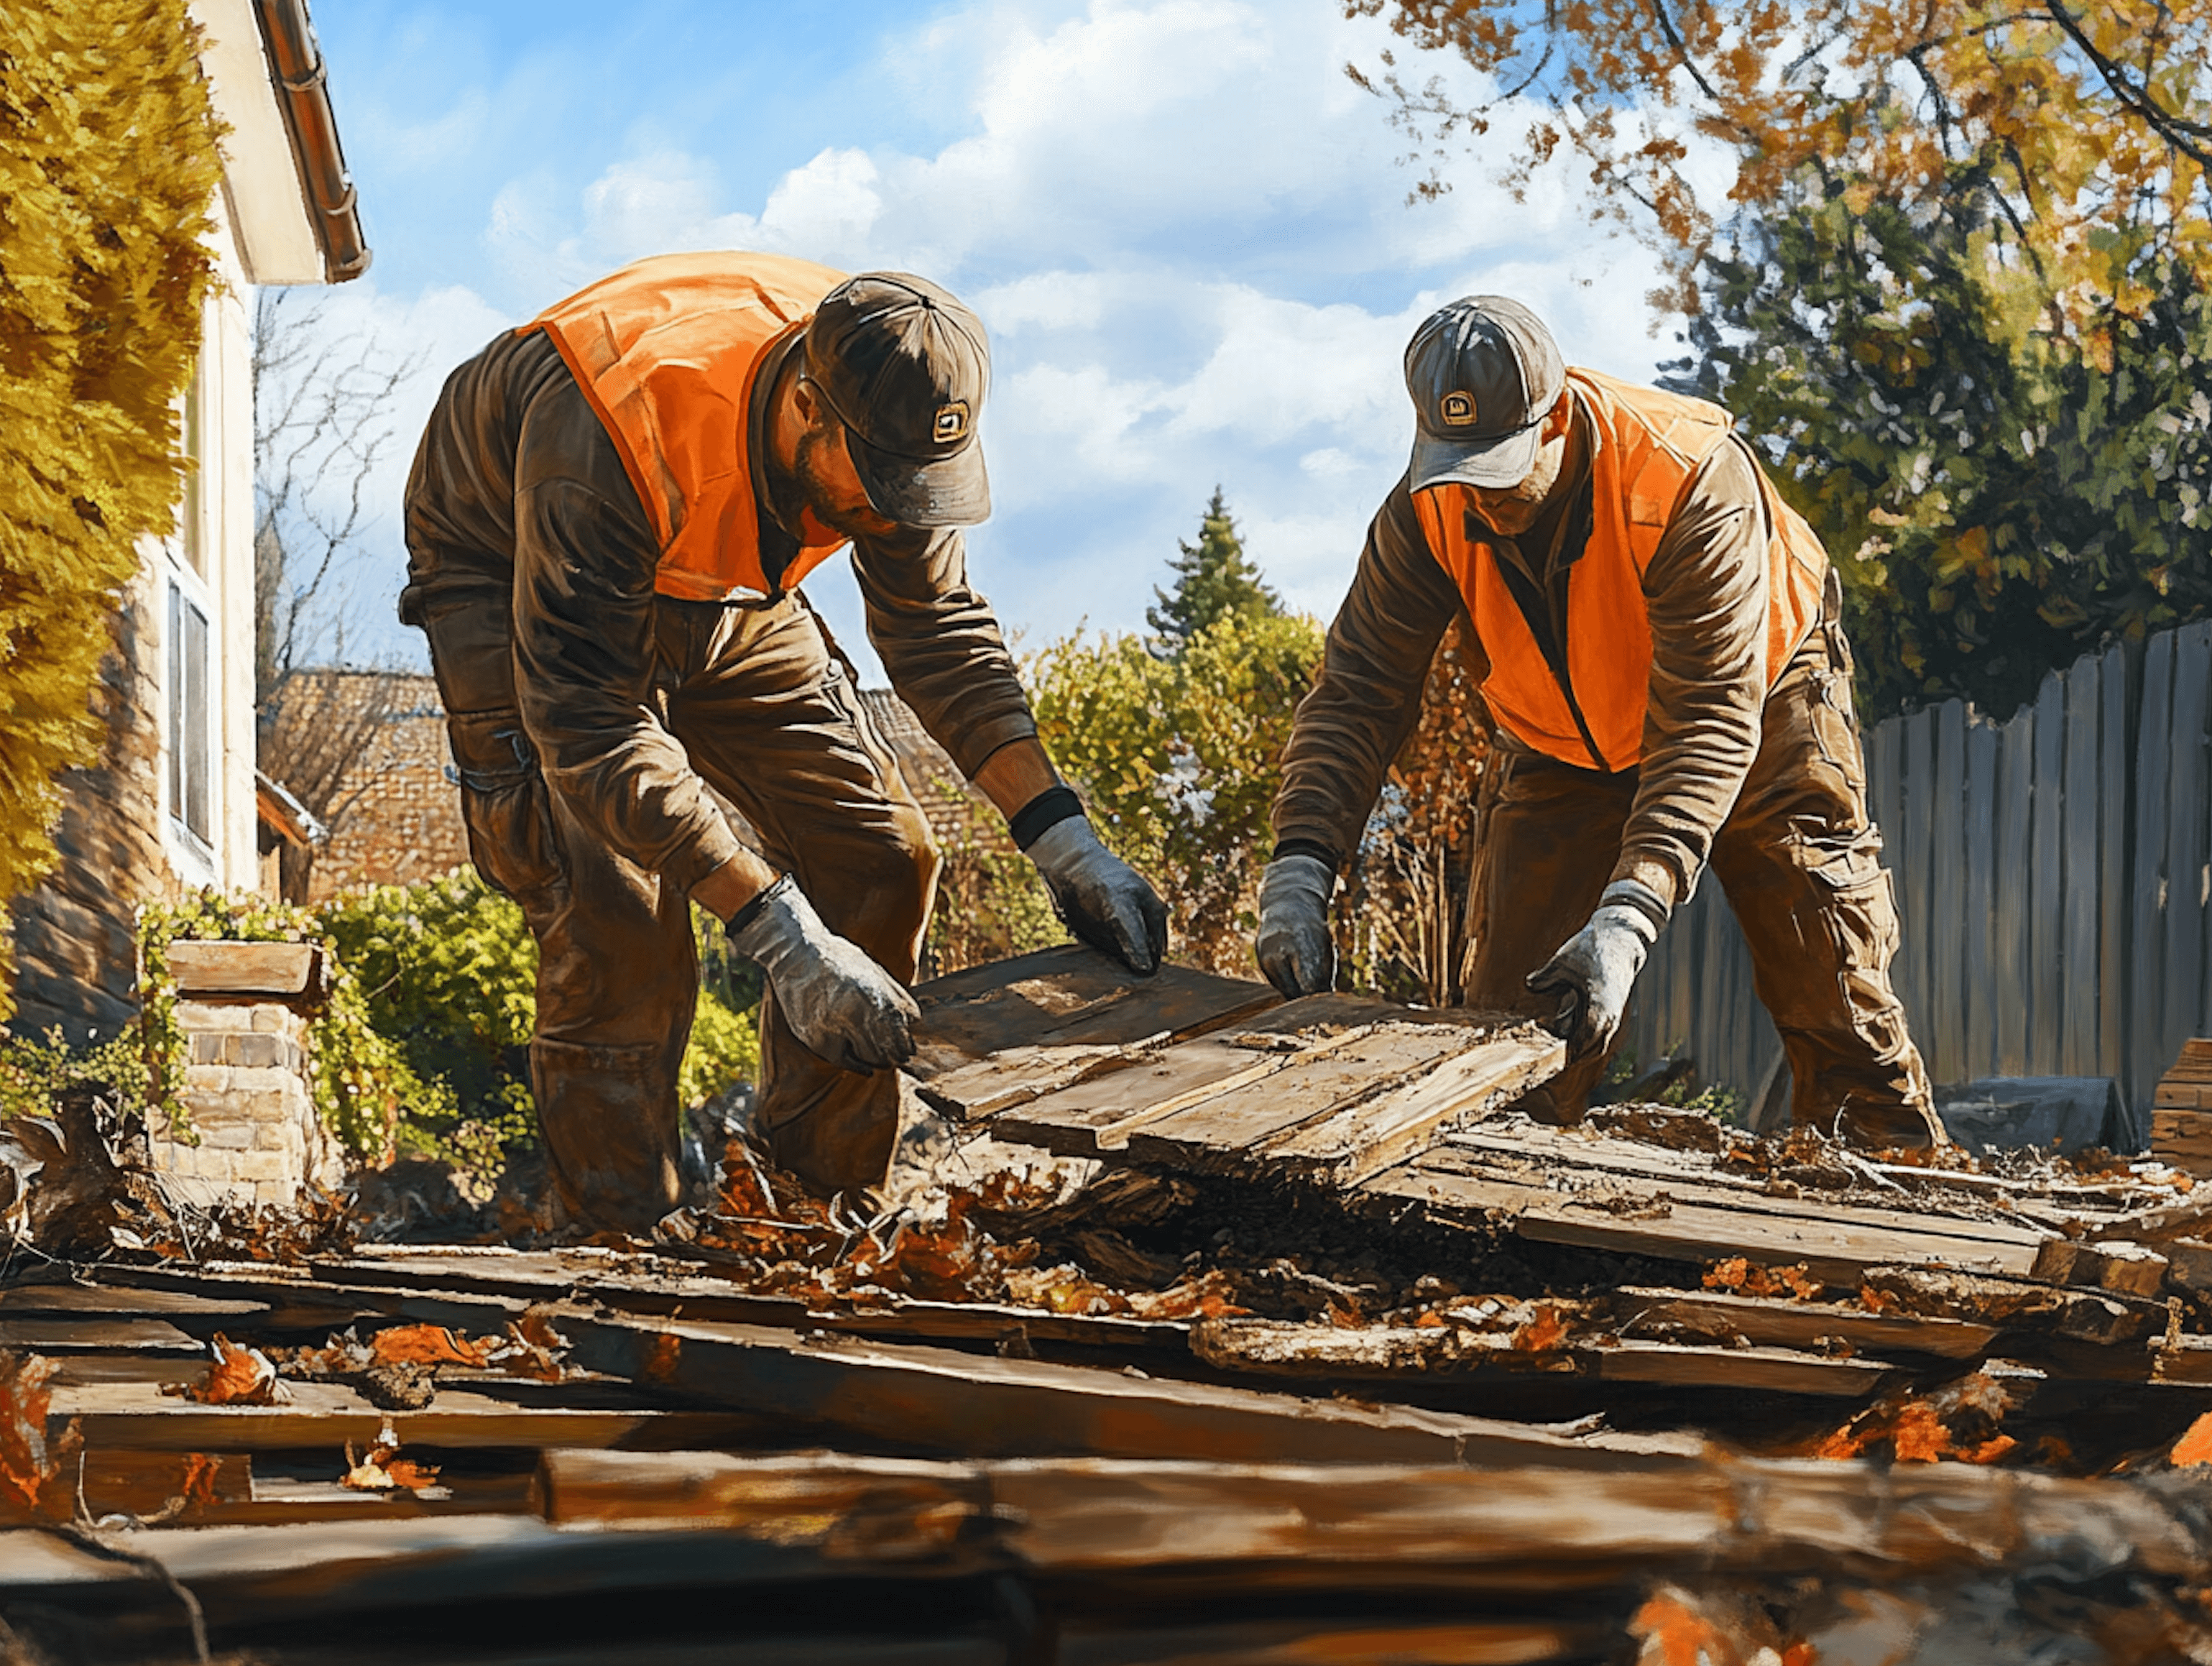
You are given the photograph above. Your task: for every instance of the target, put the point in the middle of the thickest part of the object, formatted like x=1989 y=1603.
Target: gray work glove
x=1595 y=968
x=1295 y=949
x=844 y=1008
x=1104 y=902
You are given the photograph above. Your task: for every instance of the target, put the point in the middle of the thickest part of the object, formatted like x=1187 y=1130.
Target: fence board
x=2046 y=935
x=2078 y=968
x=1919 y=780
x=2147 y=884
x=2182 y=969
x=1983 y=891
x=1945 y=830
x=2016 y=801
x=2114 y=827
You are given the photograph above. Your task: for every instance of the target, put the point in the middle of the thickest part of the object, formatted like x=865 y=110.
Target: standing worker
x=607 y=522
x=1659 y=640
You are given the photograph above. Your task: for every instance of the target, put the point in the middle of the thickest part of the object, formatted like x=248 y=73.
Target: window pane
x=188 y=513
x=195 y=736
x=176 y=701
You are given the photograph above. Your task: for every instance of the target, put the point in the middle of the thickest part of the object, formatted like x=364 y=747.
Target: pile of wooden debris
x=1205 y=1328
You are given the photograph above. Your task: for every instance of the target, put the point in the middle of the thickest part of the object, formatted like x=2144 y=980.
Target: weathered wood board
x=993 y=1037
x=1330 y=1088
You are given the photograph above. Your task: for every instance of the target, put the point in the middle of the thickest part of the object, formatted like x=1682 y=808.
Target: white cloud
x=1187 y=231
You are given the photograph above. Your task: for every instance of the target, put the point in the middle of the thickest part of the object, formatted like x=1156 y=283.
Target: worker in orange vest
x=1658 y=638
x=607 y=522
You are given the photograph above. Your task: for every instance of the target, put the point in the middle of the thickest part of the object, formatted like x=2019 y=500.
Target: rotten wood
x=1801 y=1324
x=1068 y=997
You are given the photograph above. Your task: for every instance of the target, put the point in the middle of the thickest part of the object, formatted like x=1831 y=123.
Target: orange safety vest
x=1650 y=445
x=667 y=350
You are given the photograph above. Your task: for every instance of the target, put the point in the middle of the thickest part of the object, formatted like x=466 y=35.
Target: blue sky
x=1184 y=227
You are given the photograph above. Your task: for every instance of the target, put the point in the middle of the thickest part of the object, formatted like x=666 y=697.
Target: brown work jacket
x=519 y=490
x=1706 y=596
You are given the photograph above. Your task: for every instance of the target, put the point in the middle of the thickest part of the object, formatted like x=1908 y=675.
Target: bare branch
x=2183 y=134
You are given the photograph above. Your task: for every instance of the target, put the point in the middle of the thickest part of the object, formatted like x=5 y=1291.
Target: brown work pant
x=1800 y=861
x=766 y=709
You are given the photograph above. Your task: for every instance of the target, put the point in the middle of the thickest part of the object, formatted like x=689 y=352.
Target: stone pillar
x=244 y=1009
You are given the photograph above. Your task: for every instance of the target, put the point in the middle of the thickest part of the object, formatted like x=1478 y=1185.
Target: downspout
x=298 y=67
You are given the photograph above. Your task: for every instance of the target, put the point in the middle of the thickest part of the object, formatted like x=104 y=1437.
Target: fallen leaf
x=426 y=1345
x=1542 y=1333
x=27 y=1464
x=238 y=1376
x=384 y=1471
x=2195 y=1446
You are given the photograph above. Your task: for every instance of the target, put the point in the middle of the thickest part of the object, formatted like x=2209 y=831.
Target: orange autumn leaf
x=1727 y=1275
x=27 y=1460
x=1544 y=1331
x=1684 y=1637
x=238 y=1376
x=425 y=1345
x=2195 y=1446
x=1919 y=1436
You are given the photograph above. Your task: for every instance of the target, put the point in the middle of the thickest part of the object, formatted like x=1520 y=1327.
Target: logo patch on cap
x=950 y=422
x=1459 y=410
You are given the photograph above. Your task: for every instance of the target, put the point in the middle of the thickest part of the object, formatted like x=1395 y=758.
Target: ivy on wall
x=107 y=172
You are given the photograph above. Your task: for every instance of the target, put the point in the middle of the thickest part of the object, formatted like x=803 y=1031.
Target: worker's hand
x=844 y=1008
x=1595 y=968
x=1104 y=901
x=1295 y=949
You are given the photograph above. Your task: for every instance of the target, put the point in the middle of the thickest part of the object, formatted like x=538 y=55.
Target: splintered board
x=1329 y=1088
x=998 y=1036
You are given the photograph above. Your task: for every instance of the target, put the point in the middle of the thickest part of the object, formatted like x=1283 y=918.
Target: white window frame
x=184 y=585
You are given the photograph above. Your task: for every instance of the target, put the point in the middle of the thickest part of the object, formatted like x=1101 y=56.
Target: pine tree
x=1214 y=580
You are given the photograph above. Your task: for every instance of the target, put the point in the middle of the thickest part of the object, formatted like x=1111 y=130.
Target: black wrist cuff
x=1047 y=809
x=751 y=911
x=1313 y=848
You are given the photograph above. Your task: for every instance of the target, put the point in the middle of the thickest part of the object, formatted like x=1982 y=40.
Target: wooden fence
x=2054 y=886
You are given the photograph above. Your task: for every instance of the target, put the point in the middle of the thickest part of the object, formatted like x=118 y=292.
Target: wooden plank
x=2181 y=973
x=137 y=1417
x=94 y=1333
x=1833 y=1251
x=1016 y=1075
x=1071 y=995
x=1983 y=892
x=2015 y=823
x=2044 y=884
x=1651 y=1179
x=1345 y=1149
x=1945 y=927
x=2149 y=1051
x=1215 y=1133
x=1910 y=965
x=1801 y=1324
x=1765 y=1370
x=17 y=1301
x=1074 y=1119
x=922 y=1401
x=2114 y=763
x=2079 y=962
x=1702 y=1510
x=276 y=969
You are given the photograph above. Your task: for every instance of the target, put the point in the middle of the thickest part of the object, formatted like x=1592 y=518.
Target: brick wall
x=75 y=934
x=401 y=819
x=402 y=816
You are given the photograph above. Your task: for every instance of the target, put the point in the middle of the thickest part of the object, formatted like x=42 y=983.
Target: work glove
x=1595 y=968
x=1102 y=900
x=844 y=1008
x=1295 y=949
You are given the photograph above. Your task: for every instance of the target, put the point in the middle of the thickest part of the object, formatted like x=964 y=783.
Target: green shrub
x=107 y=170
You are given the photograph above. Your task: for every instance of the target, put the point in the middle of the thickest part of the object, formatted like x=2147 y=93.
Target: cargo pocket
x=504 y=804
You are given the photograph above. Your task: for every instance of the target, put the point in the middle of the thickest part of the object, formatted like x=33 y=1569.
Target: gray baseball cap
x=905 y=367
x=1483 y=372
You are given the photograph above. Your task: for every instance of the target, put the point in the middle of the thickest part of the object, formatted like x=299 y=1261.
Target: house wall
x=122 y=836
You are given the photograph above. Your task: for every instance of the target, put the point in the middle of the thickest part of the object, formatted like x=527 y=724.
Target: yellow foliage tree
x=107 y=170
x=2090 y=123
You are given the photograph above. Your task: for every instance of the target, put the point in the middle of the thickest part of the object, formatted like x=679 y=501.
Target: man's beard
x=817 y=493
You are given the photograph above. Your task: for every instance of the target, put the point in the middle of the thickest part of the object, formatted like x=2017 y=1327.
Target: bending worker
x=1658 y=638
x=607 y=522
